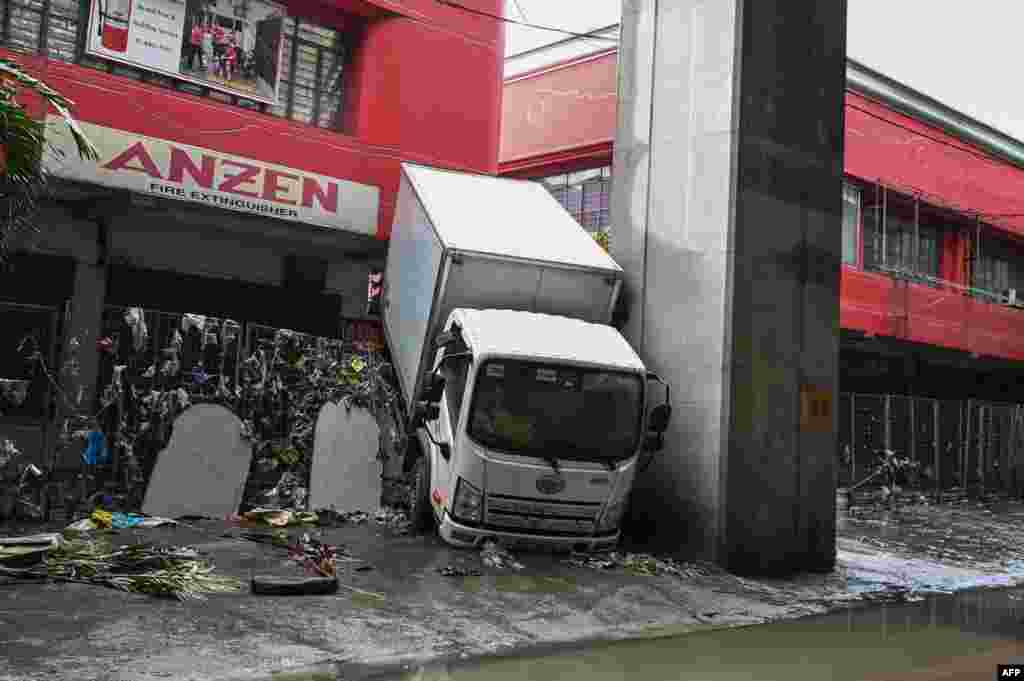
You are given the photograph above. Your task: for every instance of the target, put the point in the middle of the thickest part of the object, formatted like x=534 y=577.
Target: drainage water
x=957 y=638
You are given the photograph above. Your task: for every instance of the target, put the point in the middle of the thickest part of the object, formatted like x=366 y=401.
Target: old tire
x=420 y=511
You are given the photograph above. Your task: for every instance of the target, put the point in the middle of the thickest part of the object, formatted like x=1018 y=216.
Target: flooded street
x=928 y=547
x=423 y=611
x=942 y=637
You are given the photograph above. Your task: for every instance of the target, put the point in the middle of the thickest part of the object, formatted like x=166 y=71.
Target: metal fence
x=971 y=445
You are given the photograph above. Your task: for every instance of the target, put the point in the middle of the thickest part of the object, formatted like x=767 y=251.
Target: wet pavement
x=406 y=610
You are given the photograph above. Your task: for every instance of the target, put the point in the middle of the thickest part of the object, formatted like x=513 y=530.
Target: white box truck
x=527 y=414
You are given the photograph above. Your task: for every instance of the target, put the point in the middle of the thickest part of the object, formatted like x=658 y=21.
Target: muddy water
x=942 y=637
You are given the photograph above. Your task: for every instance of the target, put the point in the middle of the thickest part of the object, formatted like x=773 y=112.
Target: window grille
x=586 y=195
x=312 y=65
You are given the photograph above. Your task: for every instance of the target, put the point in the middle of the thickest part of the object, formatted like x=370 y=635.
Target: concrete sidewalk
x=71 y=631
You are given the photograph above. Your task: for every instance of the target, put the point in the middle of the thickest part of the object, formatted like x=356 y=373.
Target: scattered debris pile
x=394 y=518
x=331 y=517
x=28 y=550
x=459 y=571
x=116 y=520
x=275 y=517
x=495 y=556
x=641 y=564
x=164 y=571
x=317 y=558
x=492 y=555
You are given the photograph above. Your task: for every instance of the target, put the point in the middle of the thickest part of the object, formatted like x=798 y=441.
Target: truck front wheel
x=420 y=511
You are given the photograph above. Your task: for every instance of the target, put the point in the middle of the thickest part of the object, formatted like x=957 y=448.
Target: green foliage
x=170 y=572
x=603 y=239
x=23 y=137
x=286 y=456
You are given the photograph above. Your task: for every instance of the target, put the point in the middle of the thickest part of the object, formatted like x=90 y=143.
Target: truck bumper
x=464 y=536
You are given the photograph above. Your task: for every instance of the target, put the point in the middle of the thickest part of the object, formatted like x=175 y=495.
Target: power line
x=498 y=17
x=966 y=150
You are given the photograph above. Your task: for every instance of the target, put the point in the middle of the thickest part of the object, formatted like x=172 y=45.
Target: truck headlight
x=612 y=516
x=468 y=503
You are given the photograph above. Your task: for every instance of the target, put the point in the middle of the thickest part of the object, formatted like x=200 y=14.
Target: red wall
x=564 y=116
x=878 y=304
x=922 y=159
x=405 y=100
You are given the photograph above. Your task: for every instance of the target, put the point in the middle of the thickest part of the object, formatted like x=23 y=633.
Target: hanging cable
x=507 y=20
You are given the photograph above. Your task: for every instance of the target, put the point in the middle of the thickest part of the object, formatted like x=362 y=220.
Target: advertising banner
x=230 y=46
x=172 y=170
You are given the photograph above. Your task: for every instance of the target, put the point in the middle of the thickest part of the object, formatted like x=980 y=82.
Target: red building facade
x=932 y=258
x=249 y=163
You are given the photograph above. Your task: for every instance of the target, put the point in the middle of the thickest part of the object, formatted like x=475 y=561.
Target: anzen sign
x=179 y=171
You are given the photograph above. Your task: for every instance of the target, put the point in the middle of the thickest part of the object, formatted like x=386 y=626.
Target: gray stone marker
x=726 y=214
x=203 y=470
x=345 y=472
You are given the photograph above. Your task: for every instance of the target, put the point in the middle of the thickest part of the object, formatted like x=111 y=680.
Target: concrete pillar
x=727 y=219
x=86 y=317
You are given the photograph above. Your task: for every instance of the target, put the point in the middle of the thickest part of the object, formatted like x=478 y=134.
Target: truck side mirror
x=444 y=338
x=658 y=420
x=425 y=411
x=654 y=443
x=434 y=389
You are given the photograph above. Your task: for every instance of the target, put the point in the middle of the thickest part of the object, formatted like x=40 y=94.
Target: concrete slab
x=345 y=473
x=203 y=470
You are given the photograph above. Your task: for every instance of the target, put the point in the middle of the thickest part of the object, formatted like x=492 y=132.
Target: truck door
x=455 y=364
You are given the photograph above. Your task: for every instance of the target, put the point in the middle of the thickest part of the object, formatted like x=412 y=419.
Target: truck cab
x=531 y=430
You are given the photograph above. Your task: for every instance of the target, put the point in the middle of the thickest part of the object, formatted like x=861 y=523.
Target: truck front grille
x=541 y=516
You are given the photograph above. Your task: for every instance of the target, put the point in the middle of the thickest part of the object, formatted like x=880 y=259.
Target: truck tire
x=420 y=511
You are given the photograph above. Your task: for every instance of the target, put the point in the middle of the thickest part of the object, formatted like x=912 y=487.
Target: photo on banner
x=234 y=47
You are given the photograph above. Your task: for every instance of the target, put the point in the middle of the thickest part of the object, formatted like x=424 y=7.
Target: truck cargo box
x=473 y=241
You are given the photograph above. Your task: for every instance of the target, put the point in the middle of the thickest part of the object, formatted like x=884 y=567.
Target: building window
x=1000 y=268
x=312 y=66
x=46 y=27
x=905 y=242
x=585 y=194
x=851 y=223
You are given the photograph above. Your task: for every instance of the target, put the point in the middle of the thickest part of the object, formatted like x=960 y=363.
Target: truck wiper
x=572 y=446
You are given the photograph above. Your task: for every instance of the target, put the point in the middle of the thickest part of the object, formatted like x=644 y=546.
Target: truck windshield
x=564 y=412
